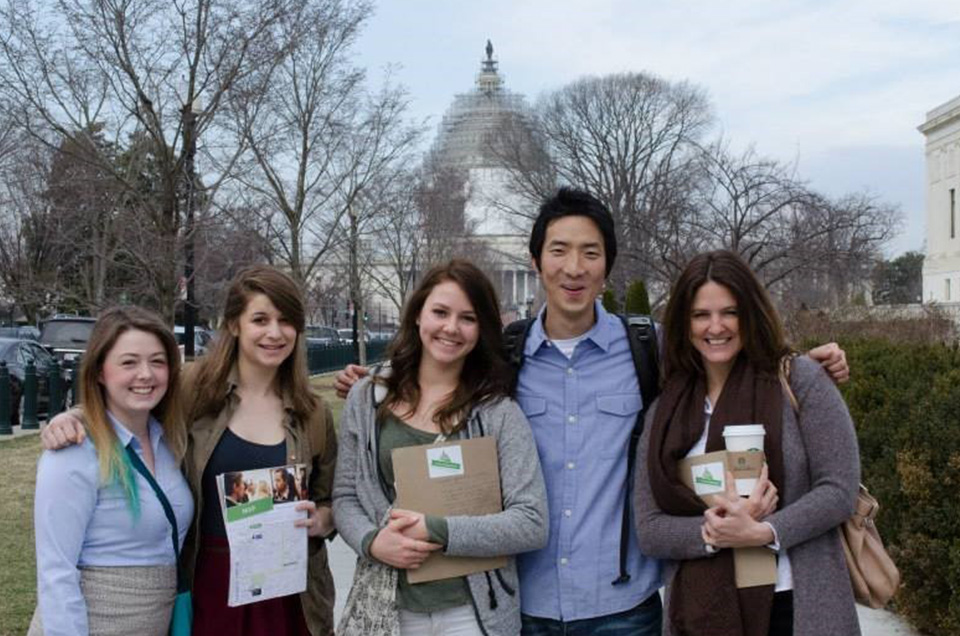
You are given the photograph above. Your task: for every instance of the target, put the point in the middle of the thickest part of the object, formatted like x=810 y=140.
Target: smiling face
x=265 y=337
x=134 y=376
x=715 y=328
x=572 y=271
x=447 y=325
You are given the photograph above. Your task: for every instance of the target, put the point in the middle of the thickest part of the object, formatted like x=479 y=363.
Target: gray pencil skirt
x=125 y=600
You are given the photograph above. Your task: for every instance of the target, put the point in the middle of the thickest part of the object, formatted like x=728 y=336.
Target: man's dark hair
x=573 y=202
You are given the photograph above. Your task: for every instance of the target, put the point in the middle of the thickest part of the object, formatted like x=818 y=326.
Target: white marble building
x=941 y=267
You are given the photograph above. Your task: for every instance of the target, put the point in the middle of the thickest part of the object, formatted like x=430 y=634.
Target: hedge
x=904 y=398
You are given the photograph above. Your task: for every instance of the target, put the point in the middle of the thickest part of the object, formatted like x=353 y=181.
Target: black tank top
x=232 y=454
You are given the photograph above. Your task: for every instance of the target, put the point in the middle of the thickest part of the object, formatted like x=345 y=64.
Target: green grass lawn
x=18 y=472
x=18 y=579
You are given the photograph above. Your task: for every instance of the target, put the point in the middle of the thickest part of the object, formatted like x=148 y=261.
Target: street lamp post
x=189 y=117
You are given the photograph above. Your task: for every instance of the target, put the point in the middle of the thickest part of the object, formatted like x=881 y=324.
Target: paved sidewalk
x=342 y=560
x=19 y=432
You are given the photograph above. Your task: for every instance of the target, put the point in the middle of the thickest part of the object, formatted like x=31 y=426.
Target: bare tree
x=28 y=272
x=298 y=119
x=398 y=239
x=759 y=208
x=623 y=137
x=137 y=67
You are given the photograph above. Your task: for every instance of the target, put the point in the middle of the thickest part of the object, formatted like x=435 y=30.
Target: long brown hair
x=485 y=373
x=761 y=329
x=110 y=325
x=209 y=384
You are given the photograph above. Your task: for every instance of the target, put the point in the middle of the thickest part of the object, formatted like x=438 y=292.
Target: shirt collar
x=601 y=333
x=126 y=437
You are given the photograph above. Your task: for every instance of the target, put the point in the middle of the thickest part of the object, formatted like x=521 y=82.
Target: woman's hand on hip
x=390 y=546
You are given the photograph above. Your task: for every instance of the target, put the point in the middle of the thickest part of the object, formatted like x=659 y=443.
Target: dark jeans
x=643 y=620
x=781 y=615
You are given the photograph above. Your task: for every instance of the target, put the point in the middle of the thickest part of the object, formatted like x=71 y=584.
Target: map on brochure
x=268 y=554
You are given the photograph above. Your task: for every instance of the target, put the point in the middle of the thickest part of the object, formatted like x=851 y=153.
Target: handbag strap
x=785 y=363
x=167 y=509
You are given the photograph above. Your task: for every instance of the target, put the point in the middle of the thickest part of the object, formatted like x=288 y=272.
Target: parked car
x=202 y=338
x=317 y=335
x=346 y=335
x=22 y=332
x=17 y=353
x=66 y=336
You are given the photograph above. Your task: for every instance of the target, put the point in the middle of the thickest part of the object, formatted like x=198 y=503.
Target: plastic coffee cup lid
x=743 y=429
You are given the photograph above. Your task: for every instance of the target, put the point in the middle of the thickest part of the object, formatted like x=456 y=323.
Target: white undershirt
x=567 y=346
x=784 y=572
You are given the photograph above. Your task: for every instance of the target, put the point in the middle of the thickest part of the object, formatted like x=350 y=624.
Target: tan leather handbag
x=873 y=574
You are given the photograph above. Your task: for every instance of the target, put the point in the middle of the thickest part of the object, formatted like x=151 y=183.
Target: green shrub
x=638 y=301
x=609 y=301
x=904 y=398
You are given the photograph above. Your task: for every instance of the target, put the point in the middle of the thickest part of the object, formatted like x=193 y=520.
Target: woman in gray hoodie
x=446 y=379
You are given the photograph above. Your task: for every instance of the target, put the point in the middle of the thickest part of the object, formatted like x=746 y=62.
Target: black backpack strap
x=167 y=510
x=514 y=340
x=642 y=336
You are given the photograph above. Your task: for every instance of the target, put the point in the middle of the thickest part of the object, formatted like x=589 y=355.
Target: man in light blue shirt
x=579 y=389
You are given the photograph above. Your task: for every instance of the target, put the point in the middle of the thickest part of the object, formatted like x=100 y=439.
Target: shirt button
x=567 y=513
x=572 y=419
x=564 y=561
x=569 y=370
x=571 y=465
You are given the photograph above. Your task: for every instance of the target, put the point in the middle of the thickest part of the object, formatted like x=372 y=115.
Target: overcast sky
x=837 y=86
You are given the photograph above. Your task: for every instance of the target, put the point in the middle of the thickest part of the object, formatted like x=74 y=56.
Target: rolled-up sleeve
x=66 y=497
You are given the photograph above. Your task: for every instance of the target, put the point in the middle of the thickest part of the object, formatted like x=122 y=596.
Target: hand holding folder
x=454 y=478
x=708 y=476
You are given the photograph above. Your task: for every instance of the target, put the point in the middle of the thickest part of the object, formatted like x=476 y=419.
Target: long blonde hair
x=209 y=380
x=111 y=324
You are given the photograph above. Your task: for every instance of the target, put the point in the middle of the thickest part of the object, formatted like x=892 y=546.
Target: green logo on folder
x=706 y=478
x=444 y=461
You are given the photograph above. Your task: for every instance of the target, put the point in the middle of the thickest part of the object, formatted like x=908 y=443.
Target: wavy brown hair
x=110 y=325
x=485 y=373
x=209 y=379
x=761 y=329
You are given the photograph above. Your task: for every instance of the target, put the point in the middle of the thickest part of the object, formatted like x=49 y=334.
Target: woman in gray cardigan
x=446 y=379
x=723 y=346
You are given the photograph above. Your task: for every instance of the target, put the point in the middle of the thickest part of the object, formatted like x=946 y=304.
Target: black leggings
x=781 y=615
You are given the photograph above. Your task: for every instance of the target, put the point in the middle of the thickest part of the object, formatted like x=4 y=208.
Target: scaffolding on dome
x=472 y=119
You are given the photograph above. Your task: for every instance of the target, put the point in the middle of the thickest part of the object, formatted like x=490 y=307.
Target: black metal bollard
x=5 y=426
x=29 y=398
x=74 y=383
x=55 y=386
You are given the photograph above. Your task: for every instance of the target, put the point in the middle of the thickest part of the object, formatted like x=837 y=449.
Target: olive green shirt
x=431 y=596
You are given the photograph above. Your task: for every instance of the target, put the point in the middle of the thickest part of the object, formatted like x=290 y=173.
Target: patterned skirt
x=125 y=600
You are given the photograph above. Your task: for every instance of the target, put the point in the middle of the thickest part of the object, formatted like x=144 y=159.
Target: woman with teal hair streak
x=106 y=550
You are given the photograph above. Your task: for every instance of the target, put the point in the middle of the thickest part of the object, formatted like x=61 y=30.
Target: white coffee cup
x=744 y=437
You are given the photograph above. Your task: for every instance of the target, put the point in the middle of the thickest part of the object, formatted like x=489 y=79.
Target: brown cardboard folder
x=454 y=478
x=706 y=475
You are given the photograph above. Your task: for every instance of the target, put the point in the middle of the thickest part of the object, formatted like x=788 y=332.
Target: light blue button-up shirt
x=80 y=522
x=582 y=411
